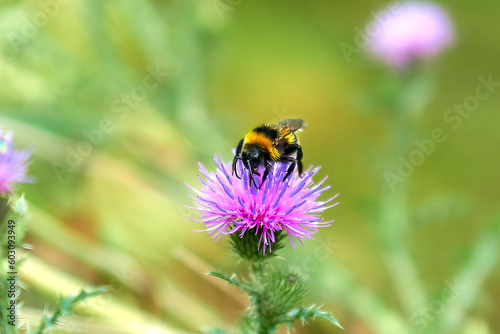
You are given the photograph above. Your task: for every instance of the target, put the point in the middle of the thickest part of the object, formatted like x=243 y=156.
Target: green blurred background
x=74 y=70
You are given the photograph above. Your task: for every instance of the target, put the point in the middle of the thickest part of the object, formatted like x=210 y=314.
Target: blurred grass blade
x=470 y=279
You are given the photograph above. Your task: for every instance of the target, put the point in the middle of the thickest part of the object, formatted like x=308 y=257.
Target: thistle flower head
x=13 y=163
x=414 y=30
x=231 y=205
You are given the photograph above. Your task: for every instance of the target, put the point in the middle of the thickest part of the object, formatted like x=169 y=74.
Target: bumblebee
x=270 y=143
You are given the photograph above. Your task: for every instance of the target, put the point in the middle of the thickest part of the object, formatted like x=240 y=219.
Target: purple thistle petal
x=203 y=182
x=294 y=207
x=226 y=189
x=412 y=30
x=13 y=164
x=226 y=174
x=279 y=197
x=231 y=205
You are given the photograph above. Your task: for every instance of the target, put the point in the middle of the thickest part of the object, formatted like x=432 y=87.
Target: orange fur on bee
x=262 y=141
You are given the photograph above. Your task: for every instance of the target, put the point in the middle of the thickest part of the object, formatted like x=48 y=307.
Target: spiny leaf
x=304 y=313
x=65 y=307
x=247 y=324
x=233 y=280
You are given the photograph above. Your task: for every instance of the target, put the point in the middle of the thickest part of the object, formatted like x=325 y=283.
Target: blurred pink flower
x=414 y=30
x=229 y=204
x=13 y=163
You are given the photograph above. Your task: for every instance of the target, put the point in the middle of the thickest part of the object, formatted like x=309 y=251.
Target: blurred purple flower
x=231 y=205
x=414 y=30
x=13 y=164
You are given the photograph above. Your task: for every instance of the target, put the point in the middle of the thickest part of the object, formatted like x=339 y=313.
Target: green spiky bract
x=275 y=294
x=247 y=247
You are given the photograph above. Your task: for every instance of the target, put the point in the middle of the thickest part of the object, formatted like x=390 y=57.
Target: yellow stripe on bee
x=262 y=141
x=291 y=138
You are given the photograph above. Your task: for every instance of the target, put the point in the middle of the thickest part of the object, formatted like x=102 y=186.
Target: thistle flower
x=414 y=30
x=231 y=205
x=13 y=163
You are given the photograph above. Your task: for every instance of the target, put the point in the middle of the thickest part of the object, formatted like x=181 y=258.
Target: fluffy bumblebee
x=270 y=143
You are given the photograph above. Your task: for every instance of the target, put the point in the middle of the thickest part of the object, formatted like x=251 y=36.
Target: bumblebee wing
x=292 y=125
x=287 y=129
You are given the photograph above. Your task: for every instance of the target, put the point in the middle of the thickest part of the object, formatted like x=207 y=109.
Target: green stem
x=263 y=324
x=49 y=322
x=394 y=218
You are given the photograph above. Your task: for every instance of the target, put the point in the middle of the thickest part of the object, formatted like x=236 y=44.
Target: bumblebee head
x=251 y=157
x=252 y=154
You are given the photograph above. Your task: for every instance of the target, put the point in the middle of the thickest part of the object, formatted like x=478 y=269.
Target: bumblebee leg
x=236 y=157
x=290 y=149
x=300 y=154
x=266 y=172
x=239 y=147
x=291 y=167
x=289 y=170
x=235 y=160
